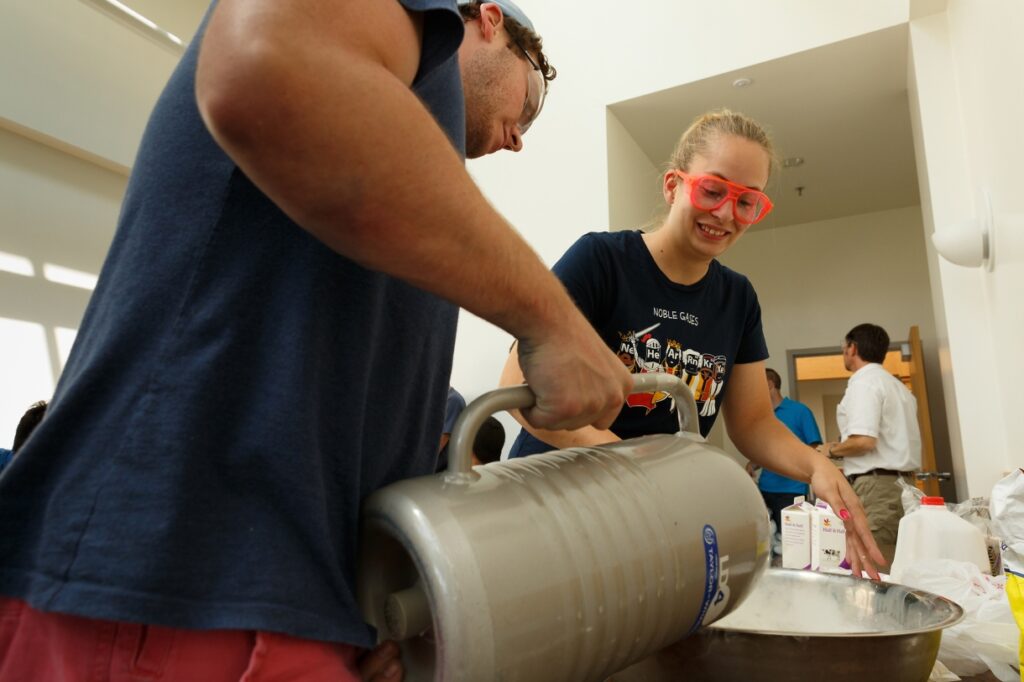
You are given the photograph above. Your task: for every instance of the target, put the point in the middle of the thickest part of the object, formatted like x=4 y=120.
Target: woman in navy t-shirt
x=663 y=302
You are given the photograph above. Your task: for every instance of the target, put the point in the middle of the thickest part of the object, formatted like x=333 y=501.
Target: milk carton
x=796 y=534
x=828 y=540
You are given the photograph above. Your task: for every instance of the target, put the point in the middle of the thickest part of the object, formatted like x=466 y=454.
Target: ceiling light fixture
x=140 y=24
x=742 y=82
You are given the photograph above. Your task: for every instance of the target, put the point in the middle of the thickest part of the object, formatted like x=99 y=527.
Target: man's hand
x=862 y=552
x=854 y=446
x=382 y=664
x=578 y=381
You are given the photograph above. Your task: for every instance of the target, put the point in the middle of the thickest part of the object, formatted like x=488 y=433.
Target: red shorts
x=36 y=646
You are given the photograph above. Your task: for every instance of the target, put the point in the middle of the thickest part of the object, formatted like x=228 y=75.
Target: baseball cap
x=509 y=9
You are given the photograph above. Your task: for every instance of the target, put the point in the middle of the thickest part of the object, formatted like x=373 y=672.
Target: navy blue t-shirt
x=696 y=331
x=235 y=390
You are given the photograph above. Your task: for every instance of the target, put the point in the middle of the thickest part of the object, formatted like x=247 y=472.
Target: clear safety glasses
x=536 y=90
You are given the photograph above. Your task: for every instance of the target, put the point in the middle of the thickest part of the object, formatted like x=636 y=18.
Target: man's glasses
x=708 y=192
x=536 y=90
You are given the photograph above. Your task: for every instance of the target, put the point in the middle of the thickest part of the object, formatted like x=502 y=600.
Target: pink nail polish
x=844 y=514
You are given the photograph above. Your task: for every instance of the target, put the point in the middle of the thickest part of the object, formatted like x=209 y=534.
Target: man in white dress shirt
x=881 y=441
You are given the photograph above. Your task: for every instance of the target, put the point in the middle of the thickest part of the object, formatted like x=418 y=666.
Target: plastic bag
x=975 y=509
x=1007 y=507
x=910 y=496
x=1015 y=594
x=987 y=638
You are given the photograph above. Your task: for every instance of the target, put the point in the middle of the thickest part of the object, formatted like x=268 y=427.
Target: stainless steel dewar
x=799 y=626
x=568 y=565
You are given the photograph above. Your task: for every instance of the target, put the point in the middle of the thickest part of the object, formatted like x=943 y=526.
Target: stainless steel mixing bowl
x=805 y=626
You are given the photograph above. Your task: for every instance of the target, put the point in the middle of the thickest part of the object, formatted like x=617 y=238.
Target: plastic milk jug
x=934 y=532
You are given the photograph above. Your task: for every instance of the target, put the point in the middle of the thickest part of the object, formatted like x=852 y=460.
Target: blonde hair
x=708 y=127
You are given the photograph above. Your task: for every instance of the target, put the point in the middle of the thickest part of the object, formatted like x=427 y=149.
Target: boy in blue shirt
x=777 y=490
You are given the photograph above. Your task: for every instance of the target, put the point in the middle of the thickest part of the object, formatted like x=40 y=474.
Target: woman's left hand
x=830 y=485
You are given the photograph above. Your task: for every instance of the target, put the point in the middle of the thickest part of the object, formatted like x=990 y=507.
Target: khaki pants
x=881 y=499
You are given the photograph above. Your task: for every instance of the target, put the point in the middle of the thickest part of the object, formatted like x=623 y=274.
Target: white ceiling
x=842 y=107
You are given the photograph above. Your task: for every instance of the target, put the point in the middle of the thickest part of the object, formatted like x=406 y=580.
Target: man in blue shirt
x=778 y=491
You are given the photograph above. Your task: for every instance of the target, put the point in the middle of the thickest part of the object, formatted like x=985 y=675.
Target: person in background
x=777 y=490
x=881 y=440
x=453 y=408
x=299 y=226
x=663 y=302
x=26 y=425
x=489 y=441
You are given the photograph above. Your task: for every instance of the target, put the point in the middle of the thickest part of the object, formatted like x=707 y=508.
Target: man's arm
x=757 y=432
x=761 y=437
x=312 y=101
x=853 y=446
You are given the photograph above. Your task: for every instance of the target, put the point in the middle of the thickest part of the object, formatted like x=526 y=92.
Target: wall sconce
x=970 y=243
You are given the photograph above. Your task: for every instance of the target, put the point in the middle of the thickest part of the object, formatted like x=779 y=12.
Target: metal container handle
x=519 y=397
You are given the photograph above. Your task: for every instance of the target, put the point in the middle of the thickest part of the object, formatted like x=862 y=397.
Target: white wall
x=635 y=199
x=83 y=83
x=69 y=72
x=816 y=395
x=816 y=281
x=966 y=106
x=55 y=210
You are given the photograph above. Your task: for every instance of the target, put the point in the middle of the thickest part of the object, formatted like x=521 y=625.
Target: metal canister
x=568 y=565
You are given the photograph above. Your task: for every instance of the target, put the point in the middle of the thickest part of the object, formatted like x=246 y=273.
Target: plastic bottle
x=934 y=532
